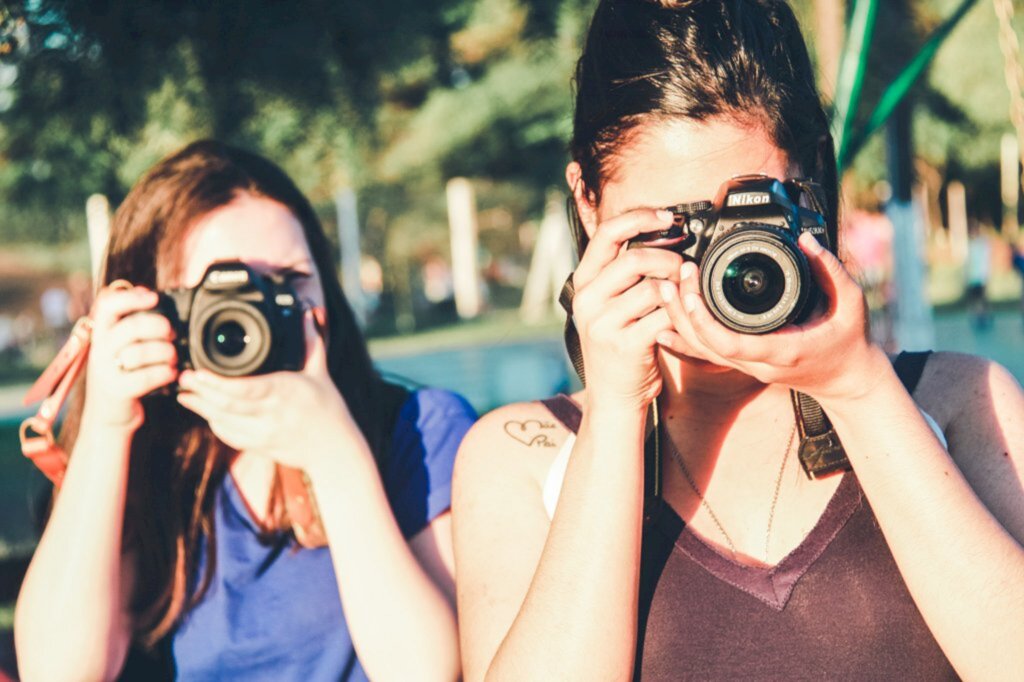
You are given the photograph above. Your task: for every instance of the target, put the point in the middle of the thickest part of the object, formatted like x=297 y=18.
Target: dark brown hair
x=177 y=464
x=647 y=60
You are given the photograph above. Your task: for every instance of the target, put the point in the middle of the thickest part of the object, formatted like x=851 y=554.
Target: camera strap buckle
x=821 y=453
x=53 y=387
x=303 y=512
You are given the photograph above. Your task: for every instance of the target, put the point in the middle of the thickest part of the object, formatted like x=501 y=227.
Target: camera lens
x=755 y=279
x=230 y=339
x=753 y=283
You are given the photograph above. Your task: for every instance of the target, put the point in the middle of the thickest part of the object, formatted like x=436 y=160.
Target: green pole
x=900 y=87
x=851 y=73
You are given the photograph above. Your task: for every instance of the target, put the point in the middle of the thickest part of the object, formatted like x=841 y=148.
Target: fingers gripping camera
x=236 y=322
x=754 y=277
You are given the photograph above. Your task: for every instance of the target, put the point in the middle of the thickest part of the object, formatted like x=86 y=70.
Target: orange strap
x=299 y=500
x=300 y=504
x=52 y=387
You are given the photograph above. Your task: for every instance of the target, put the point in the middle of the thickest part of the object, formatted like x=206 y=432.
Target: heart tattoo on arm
x=530 y=432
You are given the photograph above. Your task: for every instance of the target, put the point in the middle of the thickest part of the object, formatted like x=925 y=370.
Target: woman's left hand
x=294 y=418
x=828 y=357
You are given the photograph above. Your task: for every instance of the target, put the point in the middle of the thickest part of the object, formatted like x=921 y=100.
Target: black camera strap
x=570 y=334
x=821 y=452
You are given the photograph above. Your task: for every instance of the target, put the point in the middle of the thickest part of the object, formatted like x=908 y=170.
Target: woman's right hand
x=132 y=354
x=618 y=309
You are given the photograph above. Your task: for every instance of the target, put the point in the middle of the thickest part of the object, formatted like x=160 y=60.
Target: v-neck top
x=836 y=607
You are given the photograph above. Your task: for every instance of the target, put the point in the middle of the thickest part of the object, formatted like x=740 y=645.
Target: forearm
x=402 y=625
x=579 y=617
x=964 y=570
x=72 y=592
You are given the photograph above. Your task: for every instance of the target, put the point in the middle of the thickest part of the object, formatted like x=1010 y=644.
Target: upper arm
x=500 y=527
x=423 y=455
x=980 y=407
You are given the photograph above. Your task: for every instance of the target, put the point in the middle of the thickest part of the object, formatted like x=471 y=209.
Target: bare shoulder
x=980 y=407
x=957 y=388
x=517 y=440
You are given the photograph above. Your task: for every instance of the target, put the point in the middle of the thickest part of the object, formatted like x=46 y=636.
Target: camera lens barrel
x=755 y=279
x=231 y=337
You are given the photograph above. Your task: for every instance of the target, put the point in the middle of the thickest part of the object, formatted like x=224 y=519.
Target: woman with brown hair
x=171 y=528
x=707 y=553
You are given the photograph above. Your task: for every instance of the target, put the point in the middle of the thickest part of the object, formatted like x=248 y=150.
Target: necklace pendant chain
x=674 y=451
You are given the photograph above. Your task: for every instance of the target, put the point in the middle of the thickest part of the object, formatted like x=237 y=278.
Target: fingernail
x=668 y=291
x=665 y=216
x=812 y=244
x=687 y=270
x=690 y=302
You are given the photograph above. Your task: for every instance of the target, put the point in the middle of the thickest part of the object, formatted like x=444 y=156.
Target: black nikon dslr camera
x=754 y=278
x=236 y=322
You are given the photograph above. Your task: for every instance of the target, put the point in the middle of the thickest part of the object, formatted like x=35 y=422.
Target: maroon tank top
x=835 y=608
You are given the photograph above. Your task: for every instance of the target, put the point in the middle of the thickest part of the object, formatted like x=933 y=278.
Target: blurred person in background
x=908 y=566
x=53 y=305
x=979 y=267
x=169 y=530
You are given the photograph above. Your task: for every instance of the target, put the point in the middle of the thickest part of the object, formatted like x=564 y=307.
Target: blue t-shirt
x=274 y=613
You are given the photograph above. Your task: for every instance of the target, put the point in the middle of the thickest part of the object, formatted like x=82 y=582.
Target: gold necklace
x=674 y=451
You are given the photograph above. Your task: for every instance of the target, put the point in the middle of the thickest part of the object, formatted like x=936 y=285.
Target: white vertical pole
x=351 y=253
x=551 y=263
x=465 y=268
x=956 y=199
x=1010 y=184
x=97 y=222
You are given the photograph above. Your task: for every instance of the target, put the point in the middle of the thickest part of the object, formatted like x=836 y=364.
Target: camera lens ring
x=761 y=244
x=256 y=345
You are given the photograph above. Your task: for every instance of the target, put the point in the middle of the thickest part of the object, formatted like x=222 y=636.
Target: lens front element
x=230 y=339
x=753 y=283
x=233 y=338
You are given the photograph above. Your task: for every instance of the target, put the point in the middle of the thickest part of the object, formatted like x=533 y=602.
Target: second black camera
x=236 y=322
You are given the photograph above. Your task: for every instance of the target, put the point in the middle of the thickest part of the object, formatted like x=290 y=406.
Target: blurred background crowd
x=432 y=134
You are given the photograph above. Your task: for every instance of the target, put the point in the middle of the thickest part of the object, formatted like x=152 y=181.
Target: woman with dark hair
x=172 y=528
x=707 y=553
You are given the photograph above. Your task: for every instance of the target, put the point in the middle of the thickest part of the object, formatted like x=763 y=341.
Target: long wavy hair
x=656 y=60
x=177 y=464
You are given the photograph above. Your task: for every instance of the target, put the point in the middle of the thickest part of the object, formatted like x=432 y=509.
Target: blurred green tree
x=389 y=98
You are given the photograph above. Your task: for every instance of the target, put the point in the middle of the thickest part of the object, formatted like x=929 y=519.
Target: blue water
x=492 y=375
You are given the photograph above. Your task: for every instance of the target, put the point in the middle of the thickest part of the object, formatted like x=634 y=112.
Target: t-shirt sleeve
x=428 y=431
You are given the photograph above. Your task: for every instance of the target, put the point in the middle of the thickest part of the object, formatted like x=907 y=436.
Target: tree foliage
x=390 y=98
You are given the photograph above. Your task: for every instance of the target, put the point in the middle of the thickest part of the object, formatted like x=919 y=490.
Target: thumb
x=316 y=348
x=828 y=271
